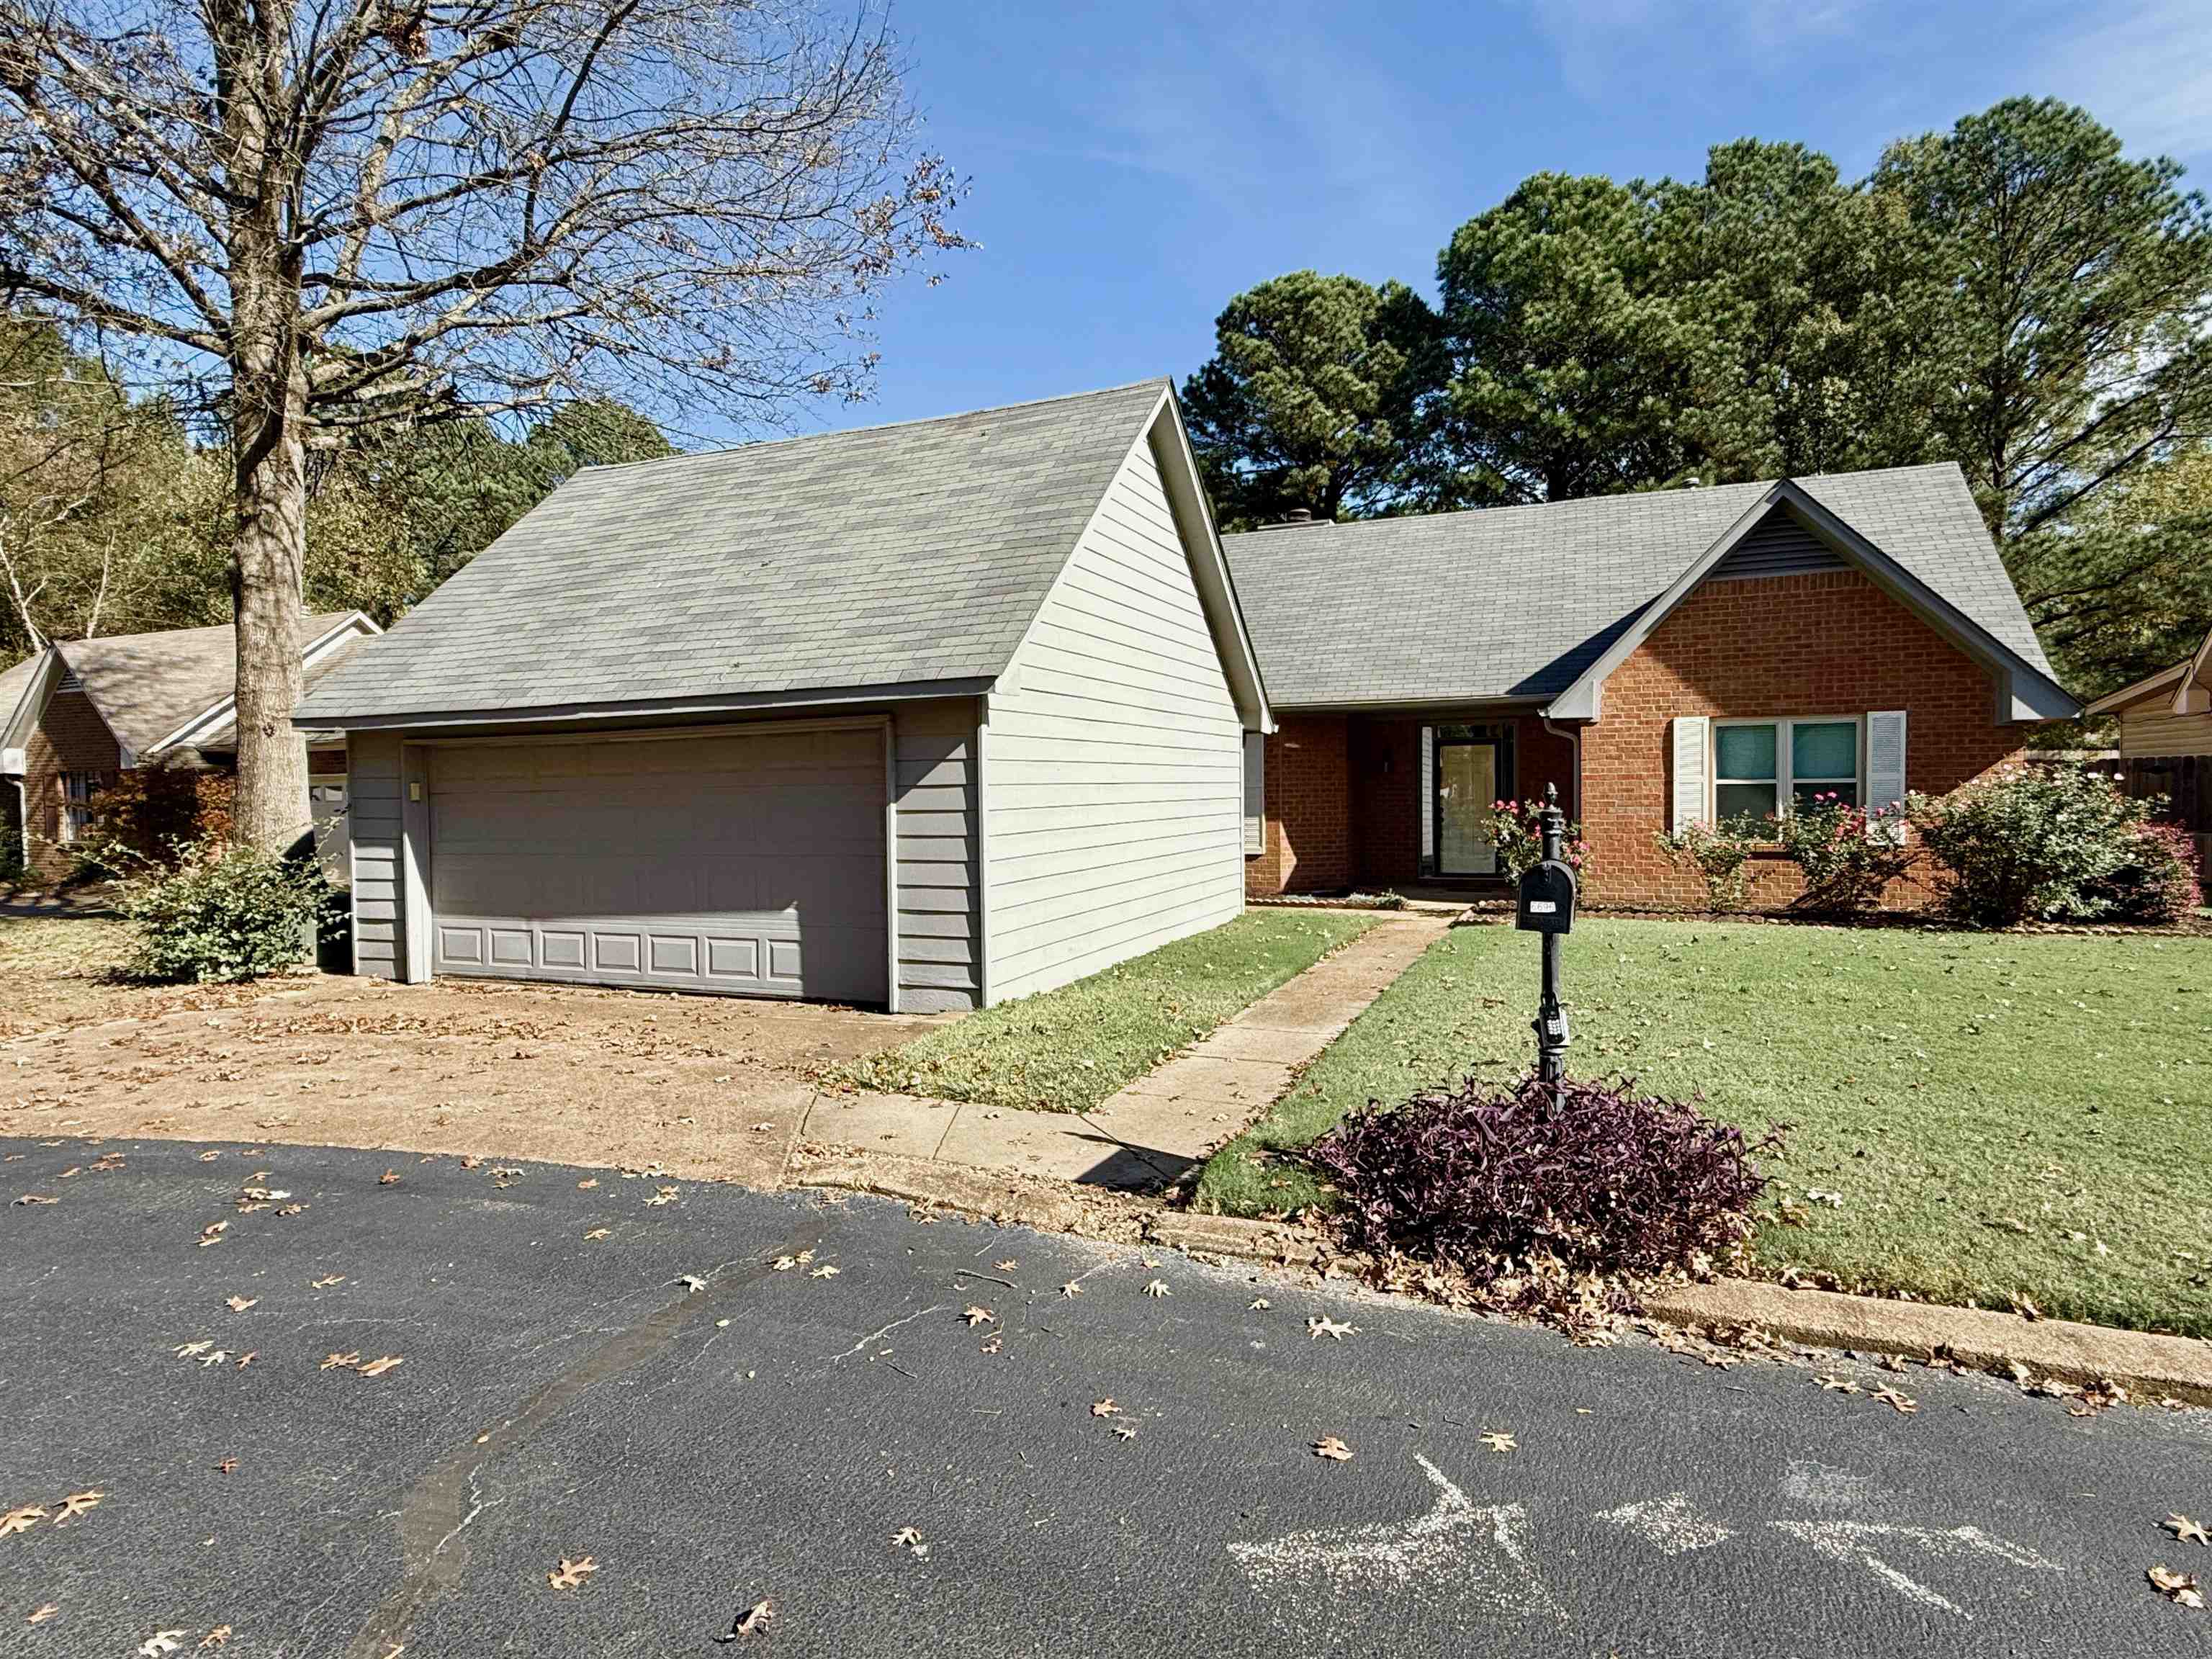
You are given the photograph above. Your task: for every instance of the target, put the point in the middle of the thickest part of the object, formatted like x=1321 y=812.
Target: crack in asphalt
x=436 y=1511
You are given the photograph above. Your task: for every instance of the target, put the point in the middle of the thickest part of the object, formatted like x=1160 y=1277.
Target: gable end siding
x=70 y=737
x=1115 y=810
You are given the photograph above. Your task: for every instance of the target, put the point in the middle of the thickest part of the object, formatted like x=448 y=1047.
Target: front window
x=1767 y=767
x=77 y=803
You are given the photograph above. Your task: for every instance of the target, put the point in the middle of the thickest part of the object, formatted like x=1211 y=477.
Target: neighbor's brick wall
x=71 y=737
x=1307 y=844
x=1828 y=643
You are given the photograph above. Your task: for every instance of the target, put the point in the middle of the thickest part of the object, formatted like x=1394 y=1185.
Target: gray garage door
x=751 y=865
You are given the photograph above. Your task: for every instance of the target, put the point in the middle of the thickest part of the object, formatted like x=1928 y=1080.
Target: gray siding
x=373 y=797
x=1115 y=810
x=940 y=930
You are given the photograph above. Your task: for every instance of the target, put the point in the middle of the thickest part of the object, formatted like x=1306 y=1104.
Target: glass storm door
x=1467 y=783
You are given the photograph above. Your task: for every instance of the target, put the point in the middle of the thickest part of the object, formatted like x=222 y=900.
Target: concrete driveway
x=1113 y=1473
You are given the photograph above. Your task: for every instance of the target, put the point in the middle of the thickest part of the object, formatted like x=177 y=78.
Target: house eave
x=615 y=713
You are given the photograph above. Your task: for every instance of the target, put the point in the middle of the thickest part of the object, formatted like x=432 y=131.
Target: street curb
x=2173 y=1367
x=2177 y=1367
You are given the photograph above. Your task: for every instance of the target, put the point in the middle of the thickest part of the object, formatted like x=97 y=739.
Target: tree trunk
x=269 y=392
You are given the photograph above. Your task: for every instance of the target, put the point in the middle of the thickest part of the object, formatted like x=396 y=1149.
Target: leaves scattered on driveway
x=1333 y=1448
x=2187 y=1531
x=2179 y=1586
x=1320 y=1325
x=570 y=1574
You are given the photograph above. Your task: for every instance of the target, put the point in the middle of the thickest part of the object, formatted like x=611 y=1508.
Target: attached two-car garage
x=747 y=862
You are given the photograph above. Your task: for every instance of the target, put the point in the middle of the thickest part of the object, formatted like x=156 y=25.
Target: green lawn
x=1068 y=1049
x=2002 y=1116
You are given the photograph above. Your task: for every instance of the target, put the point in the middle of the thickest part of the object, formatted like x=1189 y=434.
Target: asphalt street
x=562 y=1393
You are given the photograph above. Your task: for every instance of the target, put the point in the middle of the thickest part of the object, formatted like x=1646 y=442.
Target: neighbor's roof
x=1517 y=602
x=147 y=685
x=14 y=682
x=893 y=555
x=2193 y=670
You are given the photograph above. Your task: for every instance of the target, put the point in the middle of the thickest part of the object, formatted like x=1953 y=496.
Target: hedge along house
x=2165 y=742
x=925 y=716
x=78 y=714
x=1660 y=658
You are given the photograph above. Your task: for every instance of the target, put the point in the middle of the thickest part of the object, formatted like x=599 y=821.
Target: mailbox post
x=1547 y=906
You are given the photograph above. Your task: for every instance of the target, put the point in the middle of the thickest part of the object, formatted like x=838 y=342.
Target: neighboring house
x=2165 y=742
x=927 y=716
x=78 y=713
x=1660 y=658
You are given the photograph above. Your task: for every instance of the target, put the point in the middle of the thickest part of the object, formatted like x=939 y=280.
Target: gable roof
x=156 y=690
x=1520 y=603
x=2192 y=674
x=894 y=560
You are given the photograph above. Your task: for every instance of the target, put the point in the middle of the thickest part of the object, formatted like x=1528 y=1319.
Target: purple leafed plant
x=1535 y=1192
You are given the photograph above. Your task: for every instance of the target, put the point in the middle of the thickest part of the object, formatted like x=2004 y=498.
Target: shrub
x=2160 y=881
x=1532 y=1191
x=1517 y=828
x=148 y=817
x=1847 y=855
x=224 y=912
x=2029 y=842
x=1719 y=855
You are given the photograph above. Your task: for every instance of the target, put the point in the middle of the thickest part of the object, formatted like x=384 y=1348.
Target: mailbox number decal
x=1542 y=907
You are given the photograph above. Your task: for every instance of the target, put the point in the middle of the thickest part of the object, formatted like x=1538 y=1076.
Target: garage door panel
x=750 y=865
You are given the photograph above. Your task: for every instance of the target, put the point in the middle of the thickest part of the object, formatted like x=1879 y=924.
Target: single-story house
x=936 y=714
x=1659 y=658
x=76 y=714
x=2166 y=741
x=926 y=716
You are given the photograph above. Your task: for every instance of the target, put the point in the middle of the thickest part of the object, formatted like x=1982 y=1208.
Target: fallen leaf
x=226 y=1466
x=325 y=1284
x=975 y=1315
x=210 y=1158
x=248 y=1357
x=339 y=1362
x=21 y=1519
x=1832 y=1384
x=165 y=1641
x=690 y=1282
x=783 y=1264
x=193 y=1350
x=750 y=1623
x=216 y=1637
x=1007 y=1265
x=389 y=1178
x=240 y=1304
x=1105 y=1407
x=1124 y=1431
x=212 y=1234
x=378 y=1367
x=470 y=1163
x=1260 y=1304
x=570 y=1574
x=2179 y=1586
x=1498 y=1442
x=596 y=1232
x=2186 y=1530
x=1157 y=1287
x=39 y=1615
x=663 y=1195
x=1896 y=1401
x=37 y=1198
x=77 y=1504
x=1333 y=1448
x=586 y=1186
x=991 y=1343
x=827 y=1270
x=1071 y=1289
x=1319 y=1325
x=220 y=1357
x=909 y=1538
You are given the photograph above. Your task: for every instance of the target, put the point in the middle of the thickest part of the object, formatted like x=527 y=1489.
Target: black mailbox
x=1547 y=898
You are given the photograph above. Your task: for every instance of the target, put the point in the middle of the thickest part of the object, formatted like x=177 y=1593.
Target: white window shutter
x=1689 y=797
x=1886 y=763
x=1256 y=794
x=1428 y=798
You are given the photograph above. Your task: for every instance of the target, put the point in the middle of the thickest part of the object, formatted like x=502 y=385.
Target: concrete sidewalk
x=1164 y=1123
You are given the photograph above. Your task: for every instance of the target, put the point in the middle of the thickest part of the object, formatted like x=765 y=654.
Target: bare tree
x=316 y=215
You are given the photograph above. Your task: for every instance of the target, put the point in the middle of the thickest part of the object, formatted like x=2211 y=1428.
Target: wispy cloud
x=1602 y=44
x=2147 y=72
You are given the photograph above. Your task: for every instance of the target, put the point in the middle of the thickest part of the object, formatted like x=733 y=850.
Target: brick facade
x=1343 y=793
x=69 y=737
x=1830 y=643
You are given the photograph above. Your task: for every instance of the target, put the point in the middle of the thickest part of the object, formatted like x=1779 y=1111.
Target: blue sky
x=1135 y=164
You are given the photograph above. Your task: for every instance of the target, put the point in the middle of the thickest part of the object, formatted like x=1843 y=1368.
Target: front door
x=1467 y=784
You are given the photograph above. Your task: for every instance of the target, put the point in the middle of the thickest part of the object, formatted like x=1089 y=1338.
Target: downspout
x=1574 y=737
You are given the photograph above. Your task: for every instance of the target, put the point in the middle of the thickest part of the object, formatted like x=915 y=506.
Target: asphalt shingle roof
x=147 y=685
x=1516 y=602
x=895 y=555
